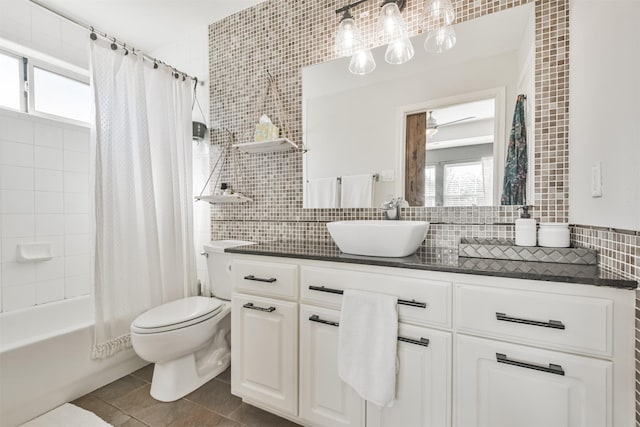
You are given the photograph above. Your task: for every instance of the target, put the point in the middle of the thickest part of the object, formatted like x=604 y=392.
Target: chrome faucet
x=392 y=207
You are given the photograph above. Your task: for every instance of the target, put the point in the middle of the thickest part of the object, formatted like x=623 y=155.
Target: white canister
x=554 y=235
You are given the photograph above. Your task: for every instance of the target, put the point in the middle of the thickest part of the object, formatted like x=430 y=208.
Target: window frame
x=21 y=78
x=29 y=59
x=43 y=65
x=444 y=180
x=435 y=185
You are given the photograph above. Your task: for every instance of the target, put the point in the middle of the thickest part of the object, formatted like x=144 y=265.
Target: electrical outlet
x=596 y=180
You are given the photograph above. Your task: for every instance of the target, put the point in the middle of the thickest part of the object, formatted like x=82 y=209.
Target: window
x=430 y=186
x=464 y=184
x=10 y=81
x=50 y=88
x=39 y=88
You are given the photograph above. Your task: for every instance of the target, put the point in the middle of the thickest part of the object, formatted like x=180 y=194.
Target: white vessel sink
x=378 y=238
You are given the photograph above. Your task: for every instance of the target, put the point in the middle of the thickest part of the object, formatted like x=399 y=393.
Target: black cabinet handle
x=422 y=341
x=259 y=279
x=412 y=303
x=317 y=319
x=552 y=368
x=255 y=307
x=555 y=324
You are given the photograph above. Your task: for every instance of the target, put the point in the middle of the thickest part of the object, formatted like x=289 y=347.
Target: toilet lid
x=178 y=312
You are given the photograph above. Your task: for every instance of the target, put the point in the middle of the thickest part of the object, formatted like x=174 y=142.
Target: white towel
x=323 y=193
x=367 y=345
x=357 y=191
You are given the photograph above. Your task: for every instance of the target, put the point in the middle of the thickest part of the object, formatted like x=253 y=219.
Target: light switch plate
x=596 y=180
x=387 y=175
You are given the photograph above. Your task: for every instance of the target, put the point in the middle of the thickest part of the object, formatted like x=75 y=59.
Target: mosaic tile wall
x=284 y=36
x=618 y=252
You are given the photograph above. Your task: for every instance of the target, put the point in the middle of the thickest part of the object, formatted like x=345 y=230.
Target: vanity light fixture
x=392 y=29
x=437 y=14
x=391 y=26
x=437 y=21
x=440 y=40
x=349 y=42
x=362 y=63
x=399 y=52
x=348 y=37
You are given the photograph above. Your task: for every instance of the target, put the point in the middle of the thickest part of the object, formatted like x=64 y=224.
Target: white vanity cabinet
x=505 y=385
x=423 y=384
x=264 y=335
x=502 y=352
x=561 y=372
x=324 y=399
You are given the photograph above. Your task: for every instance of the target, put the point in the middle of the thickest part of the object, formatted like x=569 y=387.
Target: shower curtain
x=514 y=189
x=144 y=253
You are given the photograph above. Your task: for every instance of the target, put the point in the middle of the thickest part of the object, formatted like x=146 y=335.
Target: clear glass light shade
x=431 y=132
x=391 y=27
x=362 y=63
x=437 y=14
x=440 y=40
x=348 y=38
x=399 y=52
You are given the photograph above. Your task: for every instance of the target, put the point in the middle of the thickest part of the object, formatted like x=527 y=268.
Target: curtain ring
x=93 y=35
x=126 y=51
x=155 y=65
x=114 y=46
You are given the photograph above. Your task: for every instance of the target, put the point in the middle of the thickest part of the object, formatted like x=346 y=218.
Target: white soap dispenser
x=525 y=228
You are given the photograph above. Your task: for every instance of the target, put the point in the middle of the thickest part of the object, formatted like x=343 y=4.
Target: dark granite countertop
x=444 y=259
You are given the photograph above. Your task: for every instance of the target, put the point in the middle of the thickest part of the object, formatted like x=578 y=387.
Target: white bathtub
x=45 y=359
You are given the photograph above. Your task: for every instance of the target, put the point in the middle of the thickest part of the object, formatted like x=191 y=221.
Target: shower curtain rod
x=176 y=73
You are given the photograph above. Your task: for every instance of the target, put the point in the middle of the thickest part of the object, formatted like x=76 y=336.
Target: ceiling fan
x=432 y=124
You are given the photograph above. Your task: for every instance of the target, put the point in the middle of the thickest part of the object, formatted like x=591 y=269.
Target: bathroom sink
x=378 y=238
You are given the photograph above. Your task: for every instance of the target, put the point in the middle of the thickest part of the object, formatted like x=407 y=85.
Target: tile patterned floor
x=127 y=403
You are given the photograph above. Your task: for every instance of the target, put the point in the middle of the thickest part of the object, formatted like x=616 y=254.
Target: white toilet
x=188 y=339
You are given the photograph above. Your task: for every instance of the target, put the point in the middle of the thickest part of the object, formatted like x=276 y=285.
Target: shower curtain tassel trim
x=109 y=348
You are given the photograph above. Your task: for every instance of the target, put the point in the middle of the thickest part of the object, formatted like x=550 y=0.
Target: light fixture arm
x=346 y=9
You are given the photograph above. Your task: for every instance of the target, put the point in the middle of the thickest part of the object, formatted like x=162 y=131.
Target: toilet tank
x=219 y=266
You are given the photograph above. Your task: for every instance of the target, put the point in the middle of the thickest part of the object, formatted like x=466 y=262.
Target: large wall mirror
x=433 y=130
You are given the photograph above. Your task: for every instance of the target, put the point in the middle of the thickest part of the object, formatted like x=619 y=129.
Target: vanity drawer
x=426 y=302
x=266 y=278
x=565 y=322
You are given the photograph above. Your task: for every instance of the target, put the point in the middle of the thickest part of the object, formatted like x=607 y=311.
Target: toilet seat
x=176 y=315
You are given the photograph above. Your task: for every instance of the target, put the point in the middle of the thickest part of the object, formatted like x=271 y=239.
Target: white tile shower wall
x=44 y=197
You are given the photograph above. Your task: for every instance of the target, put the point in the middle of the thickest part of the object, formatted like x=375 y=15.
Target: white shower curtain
x=143 y=192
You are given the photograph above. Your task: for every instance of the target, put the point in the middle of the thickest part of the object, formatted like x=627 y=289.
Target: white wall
x=605 y=112
x=191 y=55
x=33 y=27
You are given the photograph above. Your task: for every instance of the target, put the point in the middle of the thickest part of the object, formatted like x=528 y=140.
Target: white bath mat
x=67 y=415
